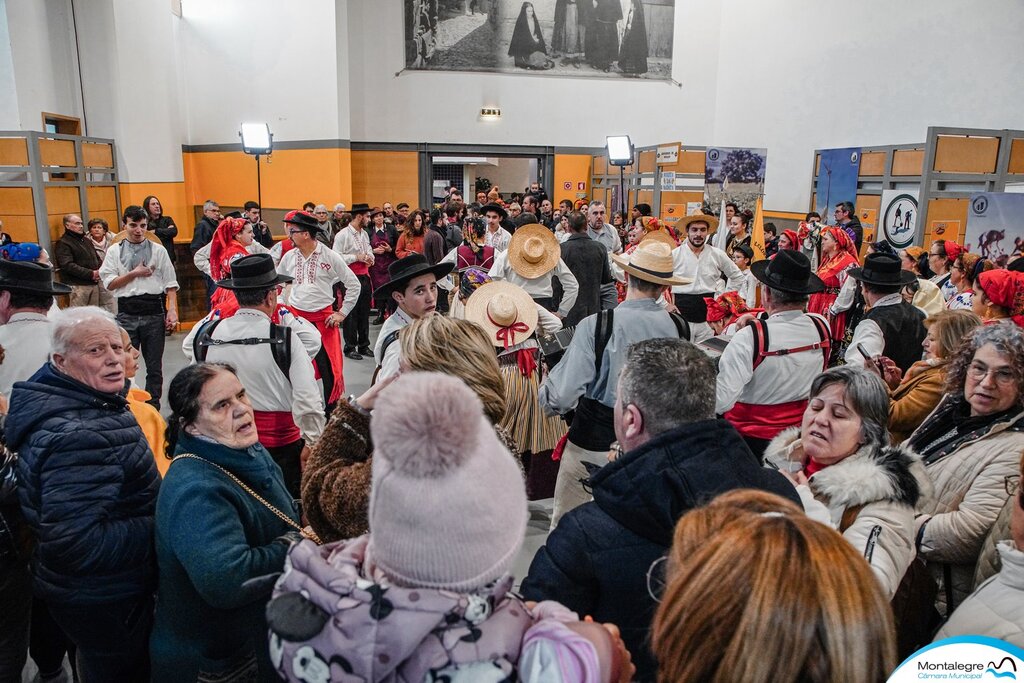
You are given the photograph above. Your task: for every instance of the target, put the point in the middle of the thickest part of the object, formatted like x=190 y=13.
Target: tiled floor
x=357 y=380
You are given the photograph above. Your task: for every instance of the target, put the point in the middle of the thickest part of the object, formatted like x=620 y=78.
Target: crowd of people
x=849 y=414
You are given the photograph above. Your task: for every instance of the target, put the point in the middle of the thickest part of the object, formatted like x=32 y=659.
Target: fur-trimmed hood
x=889 y=473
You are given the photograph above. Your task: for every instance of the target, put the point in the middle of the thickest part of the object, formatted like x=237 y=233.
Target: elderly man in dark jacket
x=87 y=487
x=600 y=558
x=588 y=260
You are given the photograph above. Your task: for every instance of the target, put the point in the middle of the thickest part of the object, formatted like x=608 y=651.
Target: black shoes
x=353 y=355
x=365 y=350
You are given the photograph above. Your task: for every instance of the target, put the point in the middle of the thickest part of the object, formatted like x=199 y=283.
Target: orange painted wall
x=570 y=168
x=289 y=178
x=385 y=176
x=172 y=198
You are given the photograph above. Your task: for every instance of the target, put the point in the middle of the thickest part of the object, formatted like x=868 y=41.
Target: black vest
x=902 y=328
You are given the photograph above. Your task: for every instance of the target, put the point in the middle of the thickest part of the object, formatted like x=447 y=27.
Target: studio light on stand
x=620 y=153
x=257 y=140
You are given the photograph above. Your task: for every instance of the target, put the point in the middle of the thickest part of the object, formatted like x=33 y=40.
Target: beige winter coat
x=968 y=494
x=884 y=483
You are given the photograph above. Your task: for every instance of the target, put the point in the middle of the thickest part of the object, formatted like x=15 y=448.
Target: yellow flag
x=757 y=234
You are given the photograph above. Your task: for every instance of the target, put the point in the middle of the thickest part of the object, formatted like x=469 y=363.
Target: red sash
x=330 y=337
x=276 y=428
x=765 y=421
x=359 y=268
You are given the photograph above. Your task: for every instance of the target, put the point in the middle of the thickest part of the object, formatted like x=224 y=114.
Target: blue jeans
x=148 y=335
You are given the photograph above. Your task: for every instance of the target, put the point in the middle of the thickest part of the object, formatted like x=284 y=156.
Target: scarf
x=949 y=427
x=133 y=255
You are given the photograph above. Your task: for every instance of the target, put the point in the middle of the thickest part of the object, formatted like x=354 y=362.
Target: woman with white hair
x=840 y=458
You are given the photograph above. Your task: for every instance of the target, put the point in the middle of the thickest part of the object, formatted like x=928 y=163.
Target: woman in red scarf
x=724 y=310
x=837 y=256
x=230 y=241
x=998 y=296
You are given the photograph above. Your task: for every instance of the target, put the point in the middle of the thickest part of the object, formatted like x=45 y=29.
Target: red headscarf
x=794 y=241
x=223 y=243
x=728 y=304
x=952 y=250
x=843 y=238
x=1005 y=288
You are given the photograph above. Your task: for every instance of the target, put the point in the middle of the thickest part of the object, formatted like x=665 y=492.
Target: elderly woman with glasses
x=846 y=471
x=969 y=444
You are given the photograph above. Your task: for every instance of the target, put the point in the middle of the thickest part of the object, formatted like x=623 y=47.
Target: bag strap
x=761 y=351
x=602 y=333
x=281 y=348
x=849 y=517
x=200 y=343
x=310 y=534
x=390 y=339
x=760 y=332
x=682 y=327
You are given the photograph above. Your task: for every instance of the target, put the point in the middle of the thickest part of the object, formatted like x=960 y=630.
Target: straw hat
x=533 y=251
x=506 y=312
x=685 y=221
x=660 y=236
x=651 y=261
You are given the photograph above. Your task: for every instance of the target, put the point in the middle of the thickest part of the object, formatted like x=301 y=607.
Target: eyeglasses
x=292 y=232
x=1012 y=484
x=1002 y=376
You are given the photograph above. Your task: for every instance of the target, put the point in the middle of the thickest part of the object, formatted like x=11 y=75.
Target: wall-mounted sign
x=995 y=226
x=668 y=180
x=669 y=154
x=899 y=217
x=581 y=186
x=567 y=185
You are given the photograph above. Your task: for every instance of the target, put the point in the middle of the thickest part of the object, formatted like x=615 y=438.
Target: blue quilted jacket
x=87 y=485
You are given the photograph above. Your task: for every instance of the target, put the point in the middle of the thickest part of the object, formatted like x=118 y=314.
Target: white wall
x=43 y=55
x=536 y=110
x=897 y=68
x=264 y=60
x=10 y=118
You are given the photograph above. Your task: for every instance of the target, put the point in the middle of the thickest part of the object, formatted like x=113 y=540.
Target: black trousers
x=112 y=638
x=287 y=458
x=356 y=328
x=16 y=598
x=148 y=335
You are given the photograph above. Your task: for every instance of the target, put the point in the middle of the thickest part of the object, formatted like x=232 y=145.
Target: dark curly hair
x=1007 y=338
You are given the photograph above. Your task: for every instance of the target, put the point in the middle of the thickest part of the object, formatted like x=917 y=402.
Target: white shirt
x=202 y=257
x=25 y=340
x=539 y=287
x=312 y=287
x=389 y=363
x=748 y=290
x=267 y=387
x=498 y=239
x=846 y=295
x=778 y=379
x=706 y=268
x=304 y=330
x=869 y=334
x=162 y=279
x=351 y=243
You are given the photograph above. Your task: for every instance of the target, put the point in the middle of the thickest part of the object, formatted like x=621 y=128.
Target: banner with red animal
x=995 y=226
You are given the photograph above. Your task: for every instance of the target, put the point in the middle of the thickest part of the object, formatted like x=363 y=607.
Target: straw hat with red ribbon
x=506 y=312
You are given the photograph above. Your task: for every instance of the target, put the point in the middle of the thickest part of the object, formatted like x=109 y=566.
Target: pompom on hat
x=448 y=504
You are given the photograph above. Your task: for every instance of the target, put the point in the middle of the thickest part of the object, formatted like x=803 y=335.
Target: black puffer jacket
x=87 y=487
x=14 y=538
x=597 y=560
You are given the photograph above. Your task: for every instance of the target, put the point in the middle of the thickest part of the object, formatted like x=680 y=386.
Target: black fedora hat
x=254 y=272
x=496 y=208
x=405 y=269
x=883 y=269
x=28 y=276
x=303 y=220
x=789 y=271
x=359 y=208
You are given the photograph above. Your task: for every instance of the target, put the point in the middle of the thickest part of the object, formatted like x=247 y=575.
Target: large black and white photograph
x=591 y=38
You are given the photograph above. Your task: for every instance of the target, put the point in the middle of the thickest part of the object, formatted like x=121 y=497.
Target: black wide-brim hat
x=254 y=272
x=883 y=270
x=789 y=271
x=28 y=276
x=496 y=208
x=359 y=208
x=405 y=269
x=304 y=220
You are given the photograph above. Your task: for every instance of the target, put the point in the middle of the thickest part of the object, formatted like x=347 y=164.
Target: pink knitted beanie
x=448 y=505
